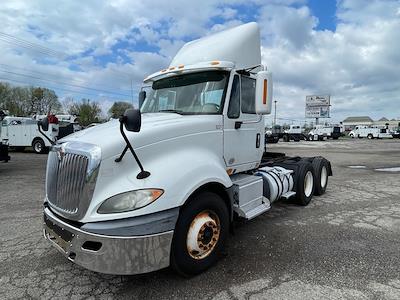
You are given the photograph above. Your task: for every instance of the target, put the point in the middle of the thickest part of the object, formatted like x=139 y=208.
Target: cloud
x=113 y=45
x=357 y=63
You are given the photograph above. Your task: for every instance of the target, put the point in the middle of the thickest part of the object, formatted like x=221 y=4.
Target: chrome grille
x=70 y=178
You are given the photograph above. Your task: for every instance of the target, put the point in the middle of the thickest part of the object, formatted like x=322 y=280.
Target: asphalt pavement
x=344 y=245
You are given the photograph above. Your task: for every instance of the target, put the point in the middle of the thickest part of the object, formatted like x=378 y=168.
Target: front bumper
x=120 y=255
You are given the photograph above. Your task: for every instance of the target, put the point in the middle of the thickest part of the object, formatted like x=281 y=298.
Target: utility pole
x=275 y=113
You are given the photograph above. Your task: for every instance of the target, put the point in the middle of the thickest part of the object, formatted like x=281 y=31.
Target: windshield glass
x=195 y=93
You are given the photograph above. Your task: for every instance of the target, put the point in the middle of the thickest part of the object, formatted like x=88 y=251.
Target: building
x=351 y=122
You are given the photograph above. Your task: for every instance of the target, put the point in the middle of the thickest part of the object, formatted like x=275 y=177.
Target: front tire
x=370 y=136
x=39 y=146
x=200 y=234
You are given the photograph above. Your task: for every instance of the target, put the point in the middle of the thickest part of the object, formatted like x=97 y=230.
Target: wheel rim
x=308 y=184
x=324 y=176
x=203 y=235
x=38 y=147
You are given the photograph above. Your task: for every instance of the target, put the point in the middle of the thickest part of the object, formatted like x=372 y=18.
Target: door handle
x=258 y=138
x=238 y=124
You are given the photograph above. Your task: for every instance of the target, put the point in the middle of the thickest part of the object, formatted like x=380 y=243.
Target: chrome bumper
x=120 y=255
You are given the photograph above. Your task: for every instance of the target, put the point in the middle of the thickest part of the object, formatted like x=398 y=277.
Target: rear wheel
x=200 y=234
x=370 y=136
x=38 y=146
x=321 y=168
x=286 y=138
x=305 y=184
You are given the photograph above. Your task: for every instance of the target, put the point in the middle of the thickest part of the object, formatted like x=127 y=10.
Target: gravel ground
x=344 y=245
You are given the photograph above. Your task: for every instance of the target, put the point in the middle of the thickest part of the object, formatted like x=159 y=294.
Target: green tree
x=44 y=101
x=88 y=112
x=118 y=108
x=25 y=101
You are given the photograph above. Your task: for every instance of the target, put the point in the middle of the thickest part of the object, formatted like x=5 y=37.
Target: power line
x=66 y=84
x=63 y=89
x=30 y=72
x=11 y=39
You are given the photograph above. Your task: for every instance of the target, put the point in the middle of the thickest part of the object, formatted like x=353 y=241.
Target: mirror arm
x=47 y=138
x=142 y=174
x=122 y=154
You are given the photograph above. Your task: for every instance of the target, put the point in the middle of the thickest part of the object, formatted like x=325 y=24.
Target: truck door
x=243 y=128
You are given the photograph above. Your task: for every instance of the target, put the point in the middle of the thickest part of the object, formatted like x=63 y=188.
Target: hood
x=155 y=128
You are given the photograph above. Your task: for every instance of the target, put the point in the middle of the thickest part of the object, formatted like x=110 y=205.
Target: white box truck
x=197 y=165
x=22 y=132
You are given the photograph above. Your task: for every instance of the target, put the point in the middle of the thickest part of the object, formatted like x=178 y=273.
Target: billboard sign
x=318 y=106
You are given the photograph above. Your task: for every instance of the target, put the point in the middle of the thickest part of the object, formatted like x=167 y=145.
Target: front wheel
x=39 y=146
x=200 y=234
x=370 y=136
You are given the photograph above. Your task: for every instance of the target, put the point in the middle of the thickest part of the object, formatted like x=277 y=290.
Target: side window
x=248 y=95
x=234 y=101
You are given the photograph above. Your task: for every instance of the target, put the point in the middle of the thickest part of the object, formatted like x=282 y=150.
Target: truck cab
x=163 y=185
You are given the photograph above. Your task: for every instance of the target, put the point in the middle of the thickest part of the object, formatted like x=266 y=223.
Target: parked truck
x=3 y=143
x=197 y=166
x=293 y=133
x=321 y=132
x=22 y=132
x=370 y=132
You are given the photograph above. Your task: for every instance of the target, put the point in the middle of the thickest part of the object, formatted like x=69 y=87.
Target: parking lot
x=345 y=244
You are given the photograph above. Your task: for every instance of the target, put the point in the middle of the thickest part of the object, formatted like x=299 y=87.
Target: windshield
x=195 y=93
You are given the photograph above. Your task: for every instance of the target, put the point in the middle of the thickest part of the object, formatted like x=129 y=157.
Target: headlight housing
x=129 y=201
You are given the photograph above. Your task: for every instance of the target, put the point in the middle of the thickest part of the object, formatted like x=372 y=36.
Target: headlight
x=129 y=201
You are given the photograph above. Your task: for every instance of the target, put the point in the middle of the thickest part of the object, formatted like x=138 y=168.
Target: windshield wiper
x=172 y=111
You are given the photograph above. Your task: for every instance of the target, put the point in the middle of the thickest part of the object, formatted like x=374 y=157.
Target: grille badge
x=60 y=154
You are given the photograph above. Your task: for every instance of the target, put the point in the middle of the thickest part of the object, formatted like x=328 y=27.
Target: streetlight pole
x=275 y=113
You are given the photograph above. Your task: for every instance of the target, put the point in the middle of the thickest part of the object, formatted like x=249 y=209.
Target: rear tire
x=370 y=136
x=321 y=168
x=39 y=146
x=305 y=184
x=200 y=234
x=286 y=138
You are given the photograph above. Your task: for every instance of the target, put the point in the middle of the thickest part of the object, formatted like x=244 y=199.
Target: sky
x=102 y=50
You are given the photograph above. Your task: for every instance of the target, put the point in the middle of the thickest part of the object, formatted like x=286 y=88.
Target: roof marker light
x=172 y=68
x=213 y=63
x=165 y=70
x=181 y=66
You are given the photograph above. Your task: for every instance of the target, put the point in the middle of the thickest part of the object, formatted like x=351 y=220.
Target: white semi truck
x=197 y=165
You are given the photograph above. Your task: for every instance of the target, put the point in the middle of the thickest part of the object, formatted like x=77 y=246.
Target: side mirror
x=263 y=100
x=132 y=119
x=44 y=124
x=142 y=97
